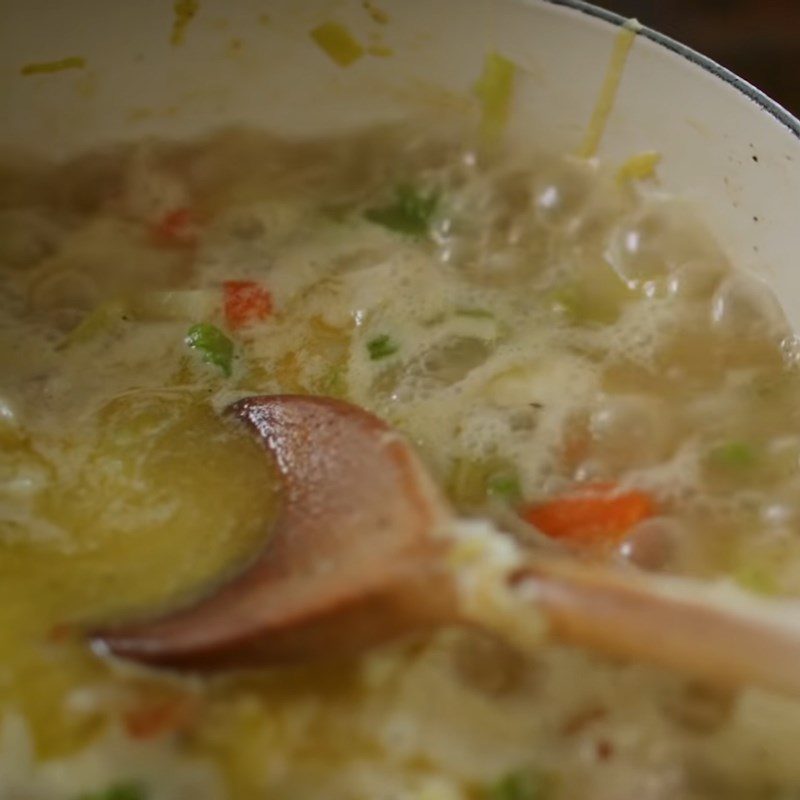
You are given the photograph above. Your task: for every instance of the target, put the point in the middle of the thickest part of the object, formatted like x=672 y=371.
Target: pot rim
x=763 y=101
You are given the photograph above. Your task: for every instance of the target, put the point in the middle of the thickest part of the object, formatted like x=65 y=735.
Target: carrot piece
x=177 y=228
x=160 y=716
x=597 y=514
x=246 y=302
x=61 y=632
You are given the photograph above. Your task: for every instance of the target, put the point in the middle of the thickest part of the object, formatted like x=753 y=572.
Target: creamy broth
x=535 y=325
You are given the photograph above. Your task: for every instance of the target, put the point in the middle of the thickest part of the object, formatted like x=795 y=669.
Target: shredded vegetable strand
x=608 y=91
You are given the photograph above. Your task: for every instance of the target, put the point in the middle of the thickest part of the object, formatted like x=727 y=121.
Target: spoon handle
x=716 y=633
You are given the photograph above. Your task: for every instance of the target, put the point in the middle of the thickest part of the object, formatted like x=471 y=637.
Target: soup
x=566 y=347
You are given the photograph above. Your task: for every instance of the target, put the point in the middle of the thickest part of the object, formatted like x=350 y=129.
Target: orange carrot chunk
x=158 y=717
x=177 y=228
x=245 y=303
x=597 y=514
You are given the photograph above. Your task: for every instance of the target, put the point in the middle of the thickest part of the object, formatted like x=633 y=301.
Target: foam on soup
x=539 y=326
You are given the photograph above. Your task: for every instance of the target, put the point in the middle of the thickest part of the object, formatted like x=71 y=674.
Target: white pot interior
x=253 y=62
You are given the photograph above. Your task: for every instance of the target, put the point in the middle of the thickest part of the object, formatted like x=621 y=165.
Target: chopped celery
x=757 y=579
x=494 y=89
x=528 y=784
x=335 y=40
x=475 y=313
x=382 y=347
x=638 y=167
x=734 y=455
x=183 y=304
x=472 y=482
x=215 y=346
x=118 y=791
x=467 y=482
x=49 y=67
x=186 y=304
x=596 y=295
x=185 y=11
x=410 y=212
x=97 y=322
x=334 y=384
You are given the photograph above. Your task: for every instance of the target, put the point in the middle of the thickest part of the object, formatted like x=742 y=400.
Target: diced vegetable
x=526 y=784
x=335 y=382
x=335 y=40
x=98 y=321
x=466 y=482
x=597 y=294
x=595 y=514
x=177 y=228
x=505 y=487
x=410 y=213
x=154 y=717
x=494 y=90
x=472 y=482
x=760 y=580
x=245 y=303
x=608 y=92
x=49 y=67
x=185 y=11
x=216 y=348
x=638 y=167
x=475 y=313
x=117 y=791
x=180 y=304
x=734 y=455
x=382 y=347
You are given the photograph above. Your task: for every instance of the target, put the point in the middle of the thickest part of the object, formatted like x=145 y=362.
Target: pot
x=79 y=74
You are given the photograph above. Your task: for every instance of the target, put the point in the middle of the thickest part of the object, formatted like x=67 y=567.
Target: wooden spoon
x=364 y=551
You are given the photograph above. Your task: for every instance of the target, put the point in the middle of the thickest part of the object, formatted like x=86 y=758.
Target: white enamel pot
x=724 y=144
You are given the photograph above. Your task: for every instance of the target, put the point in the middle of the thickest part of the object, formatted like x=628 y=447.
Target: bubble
x=652 y=544
x=439 y=366
x=589 y=471
x=696 y=279
x=790 y=350
x=630 y=430
x=560 y=193
x=744 y=307
x=636 y=250
x=652 y=243
x=779 y=514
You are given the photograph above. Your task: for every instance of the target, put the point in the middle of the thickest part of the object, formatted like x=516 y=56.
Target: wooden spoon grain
x=361 y=554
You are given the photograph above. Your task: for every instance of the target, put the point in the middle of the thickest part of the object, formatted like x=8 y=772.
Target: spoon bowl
x=362 y=553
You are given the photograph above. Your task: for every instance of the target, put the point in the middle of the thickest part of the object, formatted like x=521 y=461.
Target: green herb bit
x=381 y=347
x=734 y=455
x=410 y=213
x=504 y=487
x=523 y=785
x=216 y=348
x=118 y=791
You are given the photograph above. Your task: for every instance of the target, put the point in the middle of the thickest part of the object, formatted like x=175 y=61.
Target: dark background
x=760 y=41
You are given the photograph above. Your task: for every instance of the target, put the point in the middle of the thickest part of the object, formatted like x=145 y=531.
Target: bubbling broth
x=567 y=347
